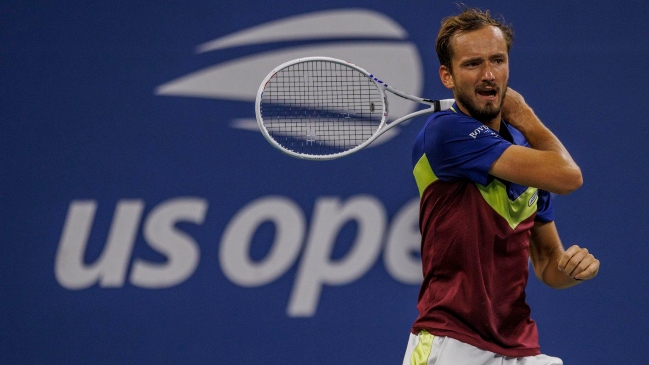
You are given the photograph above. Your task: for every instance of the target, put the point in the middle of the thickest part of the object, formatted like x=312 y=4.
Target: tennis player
x=485 y=170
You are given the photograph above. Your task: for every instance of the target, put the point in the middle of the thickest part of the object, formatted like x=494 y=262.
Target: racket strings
x=321 y=108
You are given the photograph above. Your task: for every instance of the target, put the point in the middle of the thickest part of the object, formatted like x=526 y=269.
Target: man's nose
x=488 y=74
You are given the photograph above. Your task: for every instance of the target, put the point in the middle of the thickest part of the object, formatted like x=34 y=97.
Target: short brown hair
x=468 y=20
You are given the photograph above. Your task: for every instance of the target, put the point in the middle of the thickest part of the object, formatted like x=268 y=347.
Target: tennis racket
x=321 y=108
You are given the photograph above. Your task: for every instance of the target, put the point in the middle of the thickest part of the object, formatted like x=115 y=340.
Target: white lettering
x=316 y=268
x=234 y=254
x=401 y=256
x=110 y=268
x=477 y=131
x=181 y=250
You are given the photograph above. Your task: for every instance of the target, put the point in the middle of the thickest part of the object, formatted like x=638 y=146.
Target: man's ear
x=446 y=77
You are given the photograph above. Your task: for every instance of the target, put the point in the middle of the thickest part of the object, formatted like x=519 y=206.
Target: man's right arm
x=547 y=165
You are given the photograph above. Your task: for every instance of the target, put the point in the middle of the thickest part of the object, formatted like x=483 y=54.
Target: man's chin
x=485 y=114
x=482 y=110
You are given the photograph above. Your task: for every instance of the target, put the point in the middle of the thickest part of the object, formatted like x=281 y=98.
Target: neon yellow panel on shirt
x=495 y=194
x=424 y=174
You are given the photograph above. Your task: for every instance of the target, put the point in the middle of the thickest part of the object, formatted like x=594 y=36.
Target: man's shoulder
x=451 y=118
x=450 y=114
x=448 y=124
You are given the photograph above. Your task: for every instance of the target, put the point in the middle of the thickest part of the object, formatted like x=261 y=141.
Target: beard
x=484 y=114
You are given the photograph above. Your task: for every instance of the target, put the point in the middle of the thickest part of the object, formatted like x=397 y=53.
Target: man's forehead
x=486 y=39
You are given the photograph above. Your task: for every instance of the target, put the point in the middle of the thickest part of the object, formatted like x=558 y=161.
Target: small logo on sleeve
x=533 y=199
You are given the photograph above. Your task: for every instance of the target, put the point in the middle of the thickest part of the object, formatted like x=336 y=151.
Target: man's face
x=480 y=71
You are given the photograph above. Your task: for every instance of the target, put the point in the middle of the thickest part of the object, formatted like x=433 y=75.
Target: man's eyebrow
x=471 y=59
x=480 y=58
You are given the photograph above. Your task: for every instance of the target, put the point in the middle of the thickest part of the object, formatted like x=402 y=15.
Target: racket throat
x=437 y=106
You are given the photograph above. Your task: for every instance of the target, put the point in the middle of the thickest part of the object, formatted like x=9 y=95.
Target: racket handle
x=444 y=104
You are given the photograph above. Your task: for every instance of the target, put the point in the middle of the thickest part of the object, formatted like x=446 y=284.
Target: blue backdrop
x=146 y=220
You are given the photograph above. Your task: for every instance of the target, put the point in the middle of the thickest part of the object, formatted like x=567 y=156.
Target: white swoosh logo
x=395 y=61
x=339 y=23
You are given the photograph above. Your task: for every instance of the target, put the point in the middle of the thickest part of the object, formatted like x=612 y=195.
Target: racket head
x=320 y=108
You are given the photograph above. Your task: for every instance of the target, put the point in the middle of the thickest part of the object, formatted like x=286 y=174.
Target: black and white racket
x=322 y=108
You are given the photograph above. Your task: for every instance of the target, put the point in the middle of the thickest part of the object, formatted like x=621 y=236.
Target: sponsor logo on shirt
x=480 y=130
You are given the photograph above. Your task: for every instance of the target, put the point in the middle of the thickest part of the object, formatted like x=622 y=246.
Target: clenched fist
x=578 y=263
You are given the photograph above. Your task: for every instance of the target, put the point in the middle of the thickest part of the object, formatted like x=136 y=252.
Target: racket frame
x=434 y=106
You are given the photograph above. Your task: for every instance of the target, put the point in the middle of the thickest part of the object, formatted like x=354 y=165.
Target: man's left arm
x=554 y=266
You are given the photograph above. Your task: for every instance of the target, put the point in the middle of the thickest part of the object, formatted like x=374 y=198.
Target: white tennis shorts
x=426 y=349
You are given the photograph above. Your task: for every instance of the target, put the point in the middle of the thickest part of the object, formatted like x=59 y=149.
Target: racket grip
x=444 y=104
